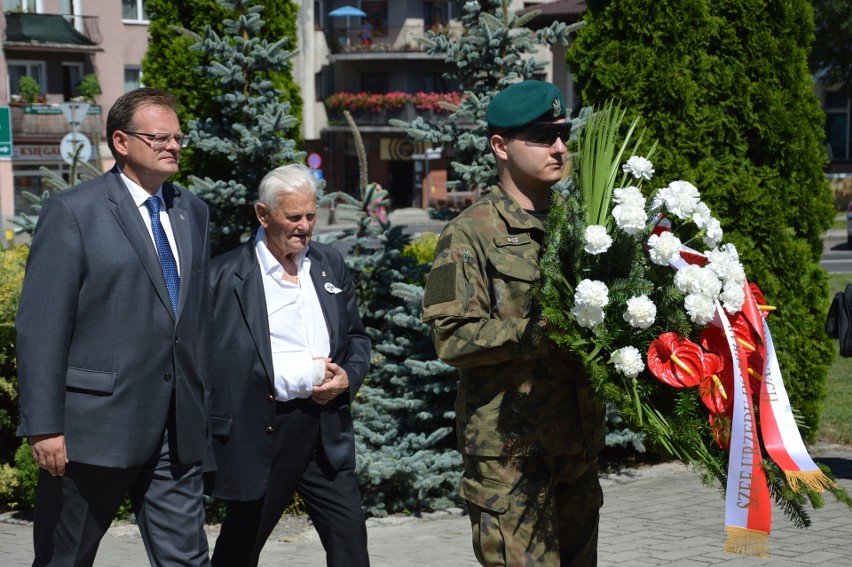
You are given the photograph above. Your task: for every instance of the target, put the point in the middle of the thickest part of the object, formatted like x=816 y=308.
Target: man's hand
x=49 y=452
x=336 y=382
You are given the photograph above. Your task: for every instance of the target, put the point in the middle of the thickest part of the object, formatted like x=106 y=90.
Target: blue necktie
x=167 y=259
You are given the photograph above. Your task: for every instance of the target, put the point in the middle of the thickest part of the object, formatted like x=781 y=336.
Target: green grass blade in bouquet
x=600 y=159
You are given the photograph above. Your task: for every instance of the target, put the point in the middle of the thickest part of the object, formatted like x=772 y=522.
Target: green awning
x=43 y=28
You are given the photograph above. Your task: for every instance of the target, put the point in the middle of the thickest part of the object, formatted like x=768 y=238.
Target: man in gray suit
x=112 y=347
x=289 y=356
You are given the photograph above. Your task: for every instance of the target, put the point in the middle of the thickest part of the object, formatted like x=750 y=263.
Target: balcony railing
x=47 y=121
x=36 y=29
x=385 y=38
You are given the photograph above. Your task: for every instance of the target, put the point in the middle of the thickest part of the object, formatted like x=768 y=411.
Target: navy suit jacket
x=243 y=376
x=99 y=349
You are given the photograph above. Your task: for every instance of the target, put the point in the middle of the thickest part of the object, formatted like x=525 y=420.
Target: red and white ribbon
x=748 y=506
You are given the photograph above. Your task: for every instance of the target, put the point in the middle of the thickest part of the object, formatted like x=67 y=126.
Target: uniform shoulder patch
x=441 y=285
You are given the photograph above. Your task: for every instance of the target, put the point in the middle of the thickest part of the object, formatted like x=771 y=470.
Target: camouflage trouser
x=533 y=510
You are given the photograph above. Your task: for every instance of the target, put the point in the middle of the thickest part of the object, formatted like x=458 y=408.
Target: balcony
x=46 y=121
x=52 y=32
x=374 y=110
x=385 y=39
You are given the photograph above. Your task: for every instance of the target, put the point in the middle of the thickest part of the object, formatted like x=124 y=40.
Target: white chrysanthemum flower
x=659 y=198
x=719 y=262
x=664 y=248
x=641 y=312
x=591 y=293
x=597 y=240
x=712 y=233
x=681 y=198
x=630 y=195
x=730 y=251
x=688 y=279
x=628 y=361
x=588 y=315
x=709 y=283
x=700 y=308
x=701 y=215
x=631 y=220
x=725 y=263
x=639 y=167
x=733 y=297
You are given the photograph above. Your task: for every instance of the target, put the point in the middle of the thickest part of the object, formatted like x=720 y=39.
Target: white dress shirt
x=139 y=197
x=298 y=332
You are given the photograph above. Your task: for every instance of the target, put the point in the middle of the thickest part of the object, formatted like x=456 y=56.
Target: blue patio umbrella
x=348 y=11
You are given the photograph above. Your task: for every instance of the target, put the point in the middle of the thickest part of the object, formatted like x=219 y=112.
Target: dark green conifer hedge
x=724 y=86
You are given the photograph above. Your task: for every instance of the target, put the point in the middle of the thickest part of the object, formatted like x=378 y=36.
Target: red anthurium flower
x=743 y=332
x=760 y=300
x=716 y=386
x=756 y=359
x=675 y=360
x=713 y=340
x=758 y=295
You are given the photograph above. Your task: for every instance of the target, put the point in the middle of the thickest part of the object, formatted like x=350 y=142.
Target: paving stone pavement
x=654 y=516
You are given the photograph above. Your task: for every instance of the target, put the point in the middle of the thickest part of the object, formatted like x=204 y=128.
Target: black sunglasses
x=542 y=133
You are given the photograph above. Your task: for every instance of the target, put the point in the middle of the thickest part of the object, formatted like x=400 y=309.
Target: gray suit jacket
x=99 y=350
x=242 y=372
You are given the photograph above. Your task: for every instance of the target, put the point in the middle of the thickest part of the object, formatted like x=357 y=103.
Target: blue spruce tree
x=251 y=115
x=495 y=51
x=404 y=419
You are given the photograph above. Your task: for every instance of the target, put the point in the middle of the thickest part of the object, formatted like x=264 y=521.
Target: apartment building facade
x=57 y=43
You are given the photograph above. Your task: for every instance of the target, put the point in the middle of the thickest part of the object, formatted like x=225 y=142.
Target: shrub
x=422 y=248
x=29 y=89
x=12 y=262
x=725 y=88
x=89 y=88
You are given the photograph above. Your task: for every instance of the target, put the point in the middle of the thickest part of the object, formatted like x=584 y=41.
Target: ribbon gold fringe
x=814 y=480
x=743 y=541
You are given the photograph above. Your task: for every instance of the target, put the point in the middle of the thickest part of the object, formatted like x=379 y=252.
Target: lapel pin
x=331 y=288
x=323 y=274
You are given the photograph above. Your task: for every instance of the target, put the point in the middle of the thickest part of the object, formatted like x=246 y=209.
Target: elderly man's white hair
x=291 y=178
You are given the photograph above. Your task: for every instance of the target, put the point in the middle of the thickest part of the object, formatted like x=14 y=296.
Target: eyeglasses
x=160 y=140
x=542 y=133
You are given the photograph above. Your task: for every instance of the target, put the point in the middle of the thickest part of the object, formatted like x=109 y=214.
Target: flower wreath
x=620 y=282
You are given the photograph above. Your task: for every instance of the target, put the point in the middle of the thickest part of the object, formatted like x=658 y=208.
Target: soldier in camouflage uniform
x=529 y=427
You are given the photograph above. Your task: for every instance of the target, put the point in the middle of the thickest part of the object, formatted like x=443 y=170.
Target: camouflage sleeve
x=457 y=305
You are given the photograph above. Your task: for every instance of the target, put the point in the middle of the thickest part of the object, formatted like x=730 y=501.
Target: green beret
x=528 y=101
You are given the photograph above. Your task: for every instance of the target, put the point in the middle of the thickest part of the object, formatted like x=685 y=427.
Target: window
x=24 y=6
x=437 y=83
x=436 y=13
x=134 y=10
x=319 y=87
x=35 y=69
x=838 y=126
x=72 y=73
x=374 y=83
x=377 y=15
x=319 y=14
x=132 y=78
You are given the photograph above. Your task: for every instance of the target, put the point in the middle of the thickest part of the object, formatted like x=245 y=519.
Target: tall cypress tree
x=724 y=86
